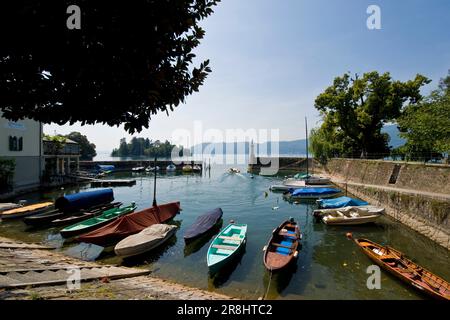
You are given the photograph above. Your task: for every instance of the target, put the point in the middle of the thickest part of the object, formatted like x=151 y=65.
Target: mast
x=154 y=184
x=307 y=157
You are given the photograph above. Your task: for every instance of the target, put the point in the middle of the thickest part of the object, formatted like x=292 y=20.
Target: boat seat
x=223 y=247
x=230 y=238
x=288 y=234
x=282 y=245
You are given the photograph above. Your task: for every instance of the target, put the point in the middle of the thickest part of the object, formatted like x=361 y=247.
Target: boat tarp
x=106 y=167
x=131 y=224
x=340 y=202
x=84 y=200
x=313 y=191
x=203 y=223
x=302 y=175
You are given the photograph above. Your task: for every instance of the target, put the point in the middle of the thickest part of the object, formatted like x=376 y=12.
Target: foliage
x=125 y=64
x=426 y=126
x=355 y=109
x=56 y=145
x=87 y=149
x=7 y=167
x=145 y=147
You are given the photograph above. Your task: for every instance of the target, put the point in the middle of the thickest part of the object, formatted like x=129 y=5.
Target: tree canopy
x=355 y=109
x=426 y=126
x=145 y=147
x=126 y=63
x=87 y=149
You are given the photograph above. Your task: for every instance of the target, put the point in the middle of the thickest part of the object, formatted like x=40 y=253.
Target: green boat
x=96 y=222
x=226 y=246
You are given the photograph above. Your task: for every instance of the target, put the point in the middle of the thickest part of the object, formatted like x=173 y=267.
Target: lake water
x=328 y=267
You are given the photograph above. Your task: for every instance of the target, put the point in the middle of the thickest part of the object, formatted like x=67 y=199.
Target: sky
x=271 y=58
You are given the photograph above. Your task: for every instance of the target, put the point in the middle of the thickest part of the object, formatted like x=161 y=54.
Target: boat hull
x=27 y=211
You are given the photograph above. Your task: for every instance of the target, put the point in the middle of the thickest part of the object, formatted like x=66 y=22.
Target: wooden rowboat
x=350 y=215
x=96 y=222
x=26 y=211
x=283 y=246
x=409 y=272
x=226 y=246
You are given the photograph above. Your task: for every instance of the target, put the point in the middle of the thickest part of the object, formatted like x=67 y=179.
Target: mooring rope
x=268 y=287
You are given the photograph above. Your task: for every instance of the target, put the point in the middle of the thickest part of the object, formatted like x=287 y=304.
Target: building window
x=15 y=143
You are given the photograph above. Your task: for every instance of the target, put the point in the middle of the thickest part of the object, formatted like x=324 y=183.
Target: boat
x=234 y=170
x=171 y=167
x=316 y=180
x=296 y=184
x=187 y=168
x=406 y=270
x=152 y=169
x=27 y=210
x=196 y=168
x=226 y=246
x=349 y=215
x=144 y=241
x=105 y=168
x=8 y=206
x=84 y=200
x=130 y=224
x=340 y=202
x=45 y=218
x=302 y=176
x=311 y=193
x=203 y=224
x=96 y=222
x=283 y=246
x=84 y=215
x=138 y=169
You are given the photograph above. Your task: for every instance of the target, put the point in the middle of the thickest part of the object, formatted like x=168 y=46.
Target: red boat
x=130 y=224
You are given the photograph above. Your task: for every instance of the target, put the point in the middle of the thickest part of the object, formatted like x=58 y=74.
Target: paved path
x=44 y=273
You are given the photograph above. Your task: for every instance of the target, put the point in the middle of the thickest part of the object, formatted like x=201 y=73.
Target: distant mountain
x=295 y=147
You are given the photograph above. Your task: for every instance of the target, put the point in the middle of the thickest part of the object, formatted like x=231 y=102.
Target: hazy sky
x=271 y=58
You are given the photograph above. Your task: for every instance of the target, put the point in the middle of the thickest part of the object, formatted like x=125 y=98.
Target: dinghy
x=203 y=224
x=144 y=241
x=406 y=270
x=196 y=168
x=137 y=169
x=226 y=246
x=171 y=167
x=96 y=222
x=8 y=206
x=130 y=224
x=152 y=169
x=317 y=180
x=45 y=218
x=283 y=246
x=350 y=215
x=187 y=168
x=311 y=193
x=296 y=185
x=340 y=202
x=234 y=170
x=26 y=211
x=84 y=215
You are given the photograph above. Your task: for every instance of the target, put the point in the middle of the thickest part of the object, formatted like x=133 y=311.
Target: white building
x=22 y=141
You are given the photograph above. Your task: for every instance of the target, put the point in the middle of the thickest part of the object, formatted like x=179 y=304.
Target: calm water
x=329 y=266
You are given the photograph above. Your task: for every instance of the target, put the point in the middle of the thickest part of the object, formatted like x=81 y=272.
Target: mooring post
x=154 y=184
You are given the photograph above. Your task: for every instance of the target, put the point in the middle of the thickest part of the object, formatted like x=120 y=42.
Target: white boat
x=138 y=169
x=292 y=184
x=234 y=170
x=151 y=169
x=350 y=215
x=171 y=167
x=317 y=180
x=196 y=168
x=144 y=241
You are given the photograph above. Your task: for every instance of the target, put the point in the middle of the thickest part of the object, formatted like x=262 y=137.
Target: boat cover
x=340 y=202
x=84 y=200
x=106 y=167
x=130 y=224
x=313 y=191
x=203 y=223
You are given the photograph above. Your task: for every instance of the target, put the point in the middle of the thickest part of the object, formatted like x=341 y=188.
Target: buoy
x=264 y=248
x=349 y=235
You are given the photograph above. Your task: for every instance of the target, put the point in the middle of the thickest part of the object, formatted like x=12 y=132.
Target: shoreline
x=28 y=272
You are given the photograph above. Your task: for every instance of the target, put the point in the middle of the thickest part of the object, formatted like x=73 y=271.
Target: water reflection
x=220 y=277
x=276 y=282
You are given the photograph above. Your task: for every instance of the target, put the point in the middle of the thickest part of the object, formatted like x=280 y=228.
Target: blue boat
x=312 y=193
x=203 y=224
x=340 y=202
x=83 y=200
x=105 y=168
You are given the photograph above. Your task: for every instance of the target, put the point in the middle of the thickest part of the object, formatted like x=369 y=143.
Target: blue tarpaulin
x=313 y=191
x=105 y=167
x=340 y=202
x=84 y=200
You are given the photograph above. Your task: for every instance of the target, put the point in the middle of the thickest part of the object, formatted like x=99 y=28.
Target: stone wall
x=419 y=198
